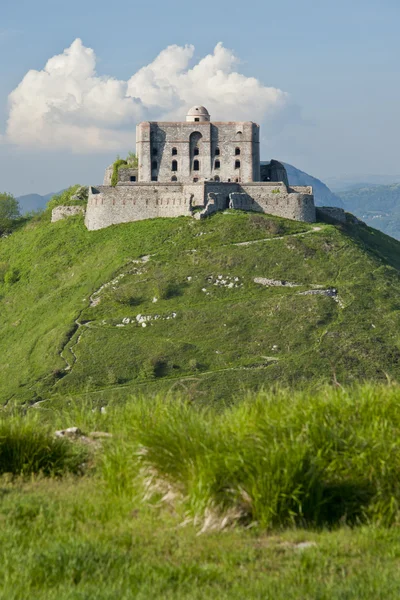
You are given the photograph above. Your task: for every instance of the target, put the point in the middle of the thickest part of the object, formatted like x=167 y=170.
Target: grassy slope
x=221 y=339
x=70 y=541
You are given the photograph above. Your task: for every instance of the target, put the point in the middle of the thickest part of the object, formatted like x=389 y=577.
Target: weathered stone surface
x=137 y=201
x=334 y=213
x=63 y=212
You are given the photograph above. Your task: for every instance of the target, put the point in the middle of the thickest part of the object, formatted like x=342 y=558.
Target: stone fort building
x=194 y=168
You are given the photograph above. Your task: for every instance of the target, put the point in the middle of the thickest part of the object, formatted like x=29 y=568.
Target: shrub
x=27 y=447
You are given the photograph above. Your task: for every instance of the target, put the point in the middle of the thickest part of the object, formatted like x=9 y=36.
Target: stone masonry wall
x=137 y=201
x=166 y=151
x=63 y=212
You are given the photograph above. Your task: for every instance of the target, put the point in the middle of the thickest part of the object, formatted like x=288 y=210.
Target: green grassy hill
x=173 y=304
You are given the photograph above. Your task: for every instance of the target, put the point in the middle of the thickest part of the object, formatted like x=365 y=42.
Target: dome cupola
x=197 y=114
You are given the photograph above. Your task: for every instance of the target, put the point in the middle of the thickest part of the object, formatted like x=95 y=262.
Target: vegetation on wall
x=75 y=195
x=120 y=162
x=131 y=162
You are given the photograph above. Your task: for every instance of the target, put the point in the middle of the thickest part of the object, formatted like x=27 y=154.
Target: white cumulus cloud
x=67 y=105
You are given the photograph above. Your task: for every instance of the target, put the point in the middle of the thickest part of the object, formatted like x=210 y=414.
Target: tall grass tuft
x=28 y=446
x=277 y=458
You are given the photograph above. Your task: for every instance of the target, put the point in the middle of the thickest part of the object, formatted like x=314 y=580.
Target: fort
x=194 y=168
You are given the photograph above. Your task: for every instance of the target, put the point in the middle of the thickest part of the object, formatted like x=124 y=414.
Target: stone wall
x=332 y=213
x=126 y=174
x=63 y=212
x=136 y=201
x=166 y=151
x=107 y=175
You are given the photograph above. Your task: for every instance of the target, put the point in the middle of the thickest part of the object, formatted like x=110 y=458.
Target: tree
x=9 y=211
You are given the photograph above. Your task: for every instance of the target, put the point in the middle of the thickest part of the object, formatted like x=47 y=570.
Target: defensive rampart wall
x=136 y=201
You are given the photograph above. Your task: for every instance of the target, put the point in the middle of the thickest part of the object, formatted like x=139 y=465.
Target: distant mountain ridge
x=30 y=202
x=377 y=205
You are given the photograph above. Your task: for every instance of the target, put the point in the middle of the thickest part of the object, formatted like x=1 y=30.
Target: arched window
x=174 y=151
x=154 y=165
x=216 y=178
x=237 y=151
x=174 y=165
x=237 y=164
x=196 y=165
x=217 y=164
x=195 y=179
x=154 y=151
x=173 y=178
x=196 y=151
x=217 y=152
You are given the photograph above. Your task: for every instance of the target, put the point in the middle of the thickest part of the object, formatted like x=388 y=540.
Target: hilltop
x=239 y=300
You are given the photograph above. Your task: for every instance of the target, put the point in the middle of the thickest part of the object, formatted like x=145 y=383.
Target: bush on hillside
x=9 y=212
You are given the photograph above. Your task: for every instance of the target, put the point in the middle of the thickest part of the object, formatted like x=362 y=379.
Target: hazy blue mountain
x=348 y=182
x=30 y=202
x=376 y=205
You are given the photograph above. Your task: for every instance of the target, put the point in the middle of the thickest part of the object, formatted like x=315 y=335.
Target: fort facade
x=195 y=168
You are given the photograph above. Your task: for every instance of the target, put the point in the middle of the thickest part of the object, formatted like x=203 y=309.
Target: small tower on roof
x=197 y=114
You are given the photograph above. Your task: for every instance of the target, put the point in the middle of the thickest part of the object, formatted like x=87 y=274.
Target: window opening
x=216 y=178
x=196 y=151
x=174 y=151
x=173 y=178
x=195 y=179
x=217 y=164
x=154 y=178
x=217 y=152
x=174 y=165
x=196 y=165
x=237 y=164
x=196 y=119
x=237 y=151
x=132 y=178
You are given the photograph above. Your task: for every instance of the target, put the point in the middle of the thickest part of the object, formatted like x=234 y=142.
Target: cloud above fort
x=68 y=106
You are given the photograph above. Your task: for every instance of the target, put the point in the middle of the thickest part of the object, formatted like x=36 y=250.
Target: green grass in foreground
x=319 y=468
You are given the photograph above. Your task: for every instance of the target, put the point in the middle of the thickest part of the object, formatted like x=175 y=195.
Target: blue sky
x=337 y=62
